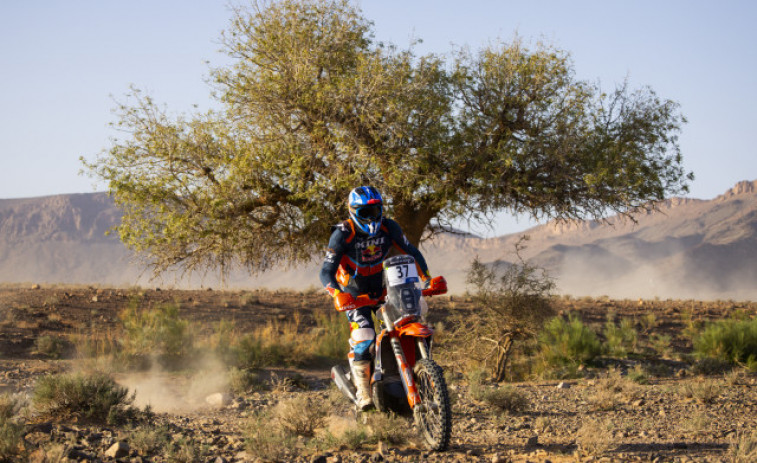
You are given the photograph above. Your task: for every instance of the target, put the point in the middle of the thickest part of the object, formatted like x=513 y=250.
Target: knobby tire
x=436 y=421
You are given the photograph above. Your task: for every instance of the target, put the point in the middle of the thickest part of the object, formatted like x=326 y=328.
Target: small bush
x=620 y=338
x=513 y=303
x=506 y=399
x=245 y=381
x=391 y=429
x=302 y=416
x=595 y=437
x=332 y=332
x=159 y=332
x=50 y=346
x=150 y=439
x=743 y=448
x=568 y=342
x=265 y=440
x=94 y=397
x=612 y=390
x=705 y=392
x=731 y=340
x=11 y=432
x=639 y=375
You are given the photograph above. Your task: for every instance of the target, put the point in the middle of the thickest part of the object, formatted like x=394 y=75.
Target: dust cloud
x=170 y=391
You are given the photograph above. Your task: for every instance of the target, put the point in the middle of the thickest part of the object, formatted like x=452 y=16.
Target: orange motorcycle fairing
x=418 y=330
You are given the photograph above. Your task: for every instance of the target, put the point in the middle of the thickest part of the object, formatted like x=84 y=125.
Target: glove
x=343 y=301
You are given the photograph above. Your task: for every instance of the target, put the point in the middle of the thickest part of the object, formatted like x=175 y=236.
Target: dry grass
x=595 y=437
x=11 y=431
x=743 y=448
x=302 y=415
x=611 y=391
x=706 y=391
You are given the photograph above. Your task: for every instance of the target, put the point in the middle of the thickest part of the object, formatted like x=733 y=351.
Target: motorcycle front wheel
x=433 y=415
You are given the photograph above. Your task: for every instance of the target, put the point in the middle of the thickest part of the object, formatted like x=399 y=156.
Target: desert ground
x=669 y=408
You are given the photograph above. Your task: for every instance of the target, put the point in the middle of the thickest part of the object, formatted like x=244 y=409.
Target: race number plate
x=401 y=274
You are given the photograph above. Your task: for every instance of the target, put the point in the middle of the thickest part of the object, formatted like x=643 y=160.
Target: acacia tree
x=313 y=106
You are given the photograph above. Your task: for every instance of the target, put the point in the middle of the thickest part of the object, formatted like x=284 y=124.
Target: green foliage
x=50 y=346
x=332 y=331
x=564 y=342
x=158 y=332
x=244 y=381
x=620 y=339
x=94 y=396
x=11 y=431
x=312 y=105
x=731 y=340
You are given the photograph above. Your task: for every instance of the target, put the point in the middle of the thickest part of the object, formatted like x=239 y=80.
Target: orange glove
x=344 y=301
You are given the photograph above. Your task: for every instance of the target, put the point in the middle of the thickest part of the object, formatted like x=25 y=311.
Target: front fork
x=406 y=373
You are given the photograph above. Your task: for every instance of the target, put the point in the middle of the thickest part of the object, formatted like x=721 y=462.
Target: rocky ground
x=675 y=416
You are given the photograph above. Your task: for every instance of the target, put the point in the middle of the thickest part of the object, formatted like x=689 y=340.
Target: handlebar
x=346 y=301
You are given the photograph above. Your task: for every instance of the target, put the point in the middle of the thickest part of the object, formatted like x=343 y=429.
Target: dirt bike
x=405 y=379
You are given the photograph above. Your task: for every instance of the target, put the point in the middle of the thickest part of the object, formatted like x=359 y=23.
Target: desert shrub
x=512 y=305
x=710 y=366
x=150 y=439
x=50 y=346
x=706 y=391
x=392 y=429
x=243 y=381
x=731 y=340
x=183 y=450
x=620 y=339
x=158 y=332
x=332 y=332
x=611 y=390
x=638 y=375
x=264 y=439
x=743 y=448
x=595 y=437
x=506 y=399
x=11 y=432
x=566 y=342
x=660 y=344
x=302 y=416
x=93 y=396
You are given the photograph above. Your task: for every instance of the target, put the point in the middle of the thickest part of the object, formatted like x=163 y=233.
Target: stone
x=35 y=286
x=563 y=385
x=497 y=458
x=532 y=441
x=320 y=458
x=219 y=399
x=220 y=460
x=94 y=298
x=118 y=450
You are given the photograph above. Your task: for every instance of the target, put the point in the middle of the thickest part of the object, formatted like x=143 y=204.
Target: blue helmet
x=366 y=208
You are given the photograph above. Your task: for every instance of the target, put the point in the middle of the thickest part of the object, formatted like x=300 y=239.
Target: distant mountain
x=689 y=248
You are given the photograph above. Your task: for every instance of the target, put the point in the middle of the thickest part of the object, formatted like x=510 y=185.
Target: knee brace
x=362 y=341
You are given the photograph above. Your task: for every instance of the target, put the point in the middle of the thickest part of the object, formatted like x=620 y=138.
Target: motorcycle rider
x=353 y=265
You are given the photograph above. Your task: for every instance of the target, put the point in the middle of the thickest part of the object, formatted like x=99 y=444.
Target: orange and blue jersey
x=354 y=261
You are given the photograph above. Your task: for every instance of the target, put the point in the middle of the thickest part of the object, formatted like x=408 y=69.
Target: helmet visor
x=371 y=212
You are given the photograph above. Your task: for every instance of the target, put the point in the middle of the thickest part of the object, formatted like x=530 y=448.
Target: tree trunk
x=502 y=357
x=413 y=221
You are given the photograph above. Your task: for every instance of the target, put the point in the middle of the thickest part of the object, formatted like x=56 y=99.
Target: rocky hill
x=688 y=248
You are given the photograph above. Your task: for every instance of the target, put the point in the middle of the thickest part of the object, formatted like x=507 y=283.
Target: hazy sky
x=62 y=64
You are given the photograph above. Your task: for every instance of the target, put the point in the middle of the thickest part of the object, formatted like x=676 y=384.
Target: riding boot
x=361 y=374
